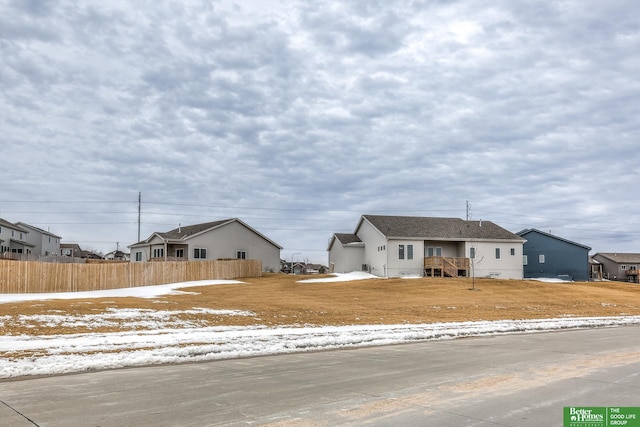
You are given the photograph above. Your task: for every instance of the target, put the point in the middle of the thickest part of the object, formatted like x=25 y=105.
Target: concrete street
x=511 y=380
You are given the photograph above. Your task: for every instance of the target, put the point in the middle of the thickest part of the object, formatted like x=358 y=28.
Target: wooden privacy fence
x=30 y=276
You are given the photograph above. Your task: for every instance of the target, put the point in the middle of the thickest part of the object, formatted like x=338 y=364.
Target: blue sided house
x=549 y=256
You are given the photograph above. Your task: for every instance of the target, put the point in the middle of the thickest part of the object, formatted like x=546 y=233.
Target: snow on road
x=168 y=339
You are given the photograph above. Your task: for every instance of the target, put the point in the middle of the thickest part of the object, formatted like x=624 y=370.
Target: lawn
x=282 y=300
x=278 y=314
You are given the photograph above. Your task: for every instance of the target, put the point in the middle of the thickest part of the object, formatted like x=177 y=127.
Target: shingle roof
x=5 y=223
x=621 y=258
x=345 y=238
x=430 y=228
x=181 y=233
x=39 y=230
x=535 y=230
x=186 y=232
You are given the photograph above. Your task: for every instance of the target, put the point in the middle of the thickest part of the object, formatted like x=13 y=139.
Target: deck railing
x=446 y=266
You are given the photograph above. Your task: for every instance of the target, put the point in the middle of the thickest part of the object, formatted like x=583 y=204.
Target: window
x=241 y=255
x=623 y=267
x=180 y=253
x=400 y=251
x=138 y=256
x=158 y=253
x=433 y=251
x=513 y=251
x=409 y=251
x=497 y=253
x=200 y=253
x=541 y=258
x=525 y=260
x=472 y=253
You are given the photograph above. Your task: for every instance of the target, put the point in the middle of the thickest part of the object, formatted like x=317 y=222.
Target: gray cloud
x=300 y=117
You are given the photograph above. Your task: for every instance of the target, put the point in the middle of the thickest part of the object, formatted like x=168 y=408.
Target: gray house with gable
x=550 y=256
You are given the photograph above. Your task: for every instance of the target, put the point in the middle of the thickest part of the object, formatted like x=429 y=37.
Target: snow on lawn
x=139 y=292
x=168 y=339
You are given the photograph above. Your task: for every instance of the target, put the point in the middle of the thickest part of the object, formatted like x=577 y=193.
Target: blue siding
x=561 y=257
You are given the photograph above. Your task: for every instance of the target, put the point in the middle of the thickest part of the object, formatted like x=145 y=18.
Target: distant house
x=302 y=268
x=13 y=239
x=316 y=269
x=550 y=256
x=225 y=239
x=346 y=253
x=44 y=242
x=91 y=255
x=393 y=246
x=117 y=255
x=595 y=269
x=619 y=266
x=70 y=250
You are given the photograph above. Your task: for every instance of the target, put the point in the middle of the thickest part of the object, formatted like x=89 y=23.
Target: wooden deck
x=438 y=266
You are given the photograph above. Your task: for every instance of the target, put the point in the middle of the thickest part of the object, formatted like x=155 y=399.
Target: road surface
x=509 y=380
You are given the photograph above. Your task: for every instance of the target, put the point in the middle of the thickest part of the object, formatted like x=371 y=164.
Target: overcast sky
x=299 y=117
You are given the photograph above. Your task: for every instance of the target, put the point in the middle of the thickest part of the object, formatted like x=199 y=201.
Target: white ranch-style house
x=395 y=246
x=225 y=239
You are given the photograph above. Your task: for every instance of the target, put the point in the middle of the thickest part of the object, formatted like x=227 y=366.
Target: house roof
x=189 y=231
x=183 y=233
x=69 y=246
x=523 y=233
x=430 y=228
x=346 y=238
x=5 y=223
x=39 y=230
x=620 y=258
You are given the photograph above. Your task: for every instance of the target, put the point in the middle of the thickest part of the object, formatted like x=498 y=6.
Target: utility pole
x=468 y=211
x=139 y=203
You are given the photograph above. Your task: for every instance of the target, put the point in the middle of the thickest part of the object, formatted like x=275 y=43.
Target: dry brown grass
x=278 y=299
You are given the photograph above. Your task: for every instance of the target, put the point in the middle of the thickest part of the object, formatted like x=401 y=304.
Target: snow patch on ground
x=137 y=292
x=59 y=354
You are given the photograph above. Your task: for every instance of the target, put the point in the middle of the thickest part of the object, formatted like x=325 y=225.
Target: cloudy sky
x=298 y=117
